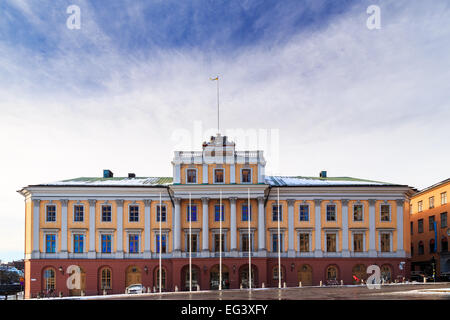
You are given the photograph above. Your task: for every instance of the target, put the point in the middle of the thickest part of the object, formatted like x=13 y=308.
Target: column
x=232 y=173
x=63 y=251
x=400 y=249
x=372 y=222
x=205 y=173
x=205 y=227
x=177 y=230
x=92 y=233
x=36 y=221
x=345 y=251
x=233 y=237
x=147 y=231
x=261 y=227
x=119 y=247
x=291 y=251
x=177 y=173
x=318 y=228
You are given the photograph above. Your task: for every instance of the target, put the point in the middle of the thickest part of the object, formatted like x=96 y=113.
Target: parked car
x=135 y=288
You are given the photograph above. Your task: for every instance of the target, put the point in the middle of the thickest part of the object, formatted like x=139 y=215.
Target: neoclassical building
x=113 y=228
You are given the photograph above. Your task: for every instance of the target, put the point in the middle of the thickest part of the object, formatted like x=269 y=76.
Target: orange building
x=430 y=231
x=219 y=202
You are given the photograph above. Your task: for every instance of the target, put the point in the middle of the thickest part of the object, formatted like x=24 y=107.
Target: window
x=191 y=176
x=331 y=212
x=105 y=279
x=133 y=243
x=219 y=176
x=304 y=242
x=444 y=244
x=218 y=241
x=246 y=175
x=219 y=213
x=332 y=273
x=431 y=223
x=163 y=278
x=386 y=273
x=161 y=213
x=431 y=202
x=419 y=206
x=358 y=242
x=49 y=279
x=134 y=213
x=276 y=273
x=246 y=242
x=331 y=242
x=420 y=226
x=358 y=212
x=275 y=242
x=193 y=245
x=51 y=213
x=444 y=220
x=432 y=246
x=50 y=243
x=385 y=240
x=412 y=249
x=412 y=227
x=78 y=213
x=163 y=243
x=421 y=248
x=193 y=211
x=245 y=213
x=106 y=213
x=275 y=215
x=106 y=243
x=304 y=212
x=385 y=212
x=443 y=198
x=78 y=243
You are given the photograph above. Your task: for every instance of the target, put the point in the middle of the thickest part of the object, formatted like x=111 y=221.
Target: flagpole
x=190 y=243
x=279 y=240
x=249 y=244
x=160 y=244
x=218 y=127
x=220 y=241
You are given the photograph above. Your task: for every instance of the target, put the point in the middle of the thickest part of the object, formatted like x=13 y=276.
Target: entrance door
x=195 y=276
x=359 y=273
x=133 y=276
x=243 y=277
x=305 y=275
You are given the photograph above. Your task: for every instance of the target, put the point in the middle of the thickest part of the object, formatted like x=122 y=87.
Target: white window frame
x=335 y=212
x=133 y=233
x=156 y=212
x=353 y=211
x=225 y=246
x=390 y=211
x=73 y=212
x=186 y=243
x=337 y=241
x=309 y=212
x=251 y=175
x=364 y=241
x=56 y=212
x=50 y=232
x=72 y=244
x=101 y=212
x=100 y=234
x=252 y=239
x=139 y=212
x=214 y=176
x=309 y=233
x=275 y=232
x=196 y=175
x=164 y=233
x=391 y=245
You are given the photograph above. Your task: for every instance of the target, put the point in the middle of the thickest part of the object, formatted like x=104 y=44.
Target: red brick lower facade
x=176 y=272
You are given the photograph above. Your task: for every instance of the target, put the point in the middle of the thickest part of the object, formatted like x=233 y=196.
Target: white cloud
x=355 y=102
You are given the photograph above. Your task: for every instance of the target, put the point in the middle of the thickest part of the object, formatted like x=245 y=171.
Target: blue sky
x=356 y=102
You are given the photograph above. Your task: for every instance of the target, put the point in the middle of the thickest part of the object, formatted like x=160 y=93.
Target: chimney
x=131 y=175
x=107 y=173
x=323 y=174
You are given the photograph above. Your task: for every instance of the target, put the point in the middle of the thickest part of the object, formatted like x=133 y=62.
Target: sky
x=304 y=80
